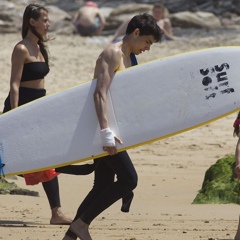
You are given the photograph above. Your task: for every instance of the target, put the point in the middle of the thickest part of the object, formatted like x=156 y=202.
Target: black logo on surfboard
x=215 y=80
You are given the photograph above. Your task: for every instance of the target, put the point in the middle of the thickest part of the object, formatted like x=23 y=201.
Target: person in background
x=142 y=31
x=29 y=67
x=236 y=133
x=163 y=22
x=89 y=21
x=158 y=12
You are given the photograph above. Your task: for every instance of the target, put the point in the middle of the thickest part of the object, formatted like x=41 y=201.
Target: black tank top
x=133 y=59
x=34 y=71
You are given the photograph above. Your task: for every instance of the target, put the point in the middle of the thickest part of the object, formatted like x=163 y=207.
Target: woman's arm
x=18 y=59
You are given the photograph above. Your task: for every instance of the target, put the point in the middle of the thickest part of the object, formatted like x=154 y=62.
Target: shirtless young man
x=89 y=21
x=141 y=33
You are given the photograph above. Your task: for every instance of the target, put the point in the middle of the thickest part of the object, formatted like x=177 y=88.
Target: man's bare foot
x=237 y=236
x=58 y=218
x=67 y=238
x=80 y=228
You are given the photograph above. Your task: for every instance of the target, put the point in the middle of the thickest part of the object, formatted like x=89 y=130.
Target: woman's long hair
x=34 y=11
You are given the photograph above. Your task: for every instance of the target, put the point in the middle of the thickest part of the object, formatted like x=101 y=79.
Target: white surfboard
x=146 y=103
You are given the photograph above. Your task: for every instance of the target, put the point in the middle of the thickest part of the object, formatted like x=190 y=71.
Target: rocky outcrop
x=220 y=184
x=61 y=21
x=10 y=17
x=11 y=188
x=218 y=7
x=183 y=13
x=197 y=20
x=121 y=13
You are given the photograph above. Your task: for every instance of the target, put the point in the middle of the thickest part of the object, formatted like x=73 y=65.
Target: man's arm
x=75 y=21
x=102 y=22
x=106 y=66
x=166 y=25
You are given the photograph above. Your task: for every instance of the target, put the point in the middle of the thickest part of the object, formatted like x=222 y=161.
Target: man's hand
x=109 y=141
x=112 y=150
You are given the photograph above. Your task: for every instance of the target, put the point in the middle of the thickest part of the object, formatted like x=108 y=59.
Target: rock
x=217 y=7
x=11 y=188
x=59 y=20
x=126 y=11
x=106 y=11
x=7 y=27
x=4 y=5
x=184 y=13
x=67 y=6
x=197 y=19
x=220 y=184
x=233 y=20
x=10 y=17
x=132 y=8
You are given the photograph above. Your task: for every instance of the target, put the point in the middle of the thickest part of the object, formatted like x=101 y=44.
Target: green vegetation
x=220 y=184
x=11 y=188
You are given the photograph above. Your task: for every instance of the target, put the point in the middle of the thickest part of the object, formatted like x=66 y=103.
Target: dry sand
x=170 y=171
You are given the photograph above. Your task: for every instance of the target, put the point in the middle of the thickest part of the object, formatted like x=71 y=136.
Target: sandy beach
x=171 y=171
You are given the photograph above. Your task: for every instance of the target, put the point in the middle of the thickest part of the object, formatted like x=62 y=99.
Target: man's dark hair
x=147 y=26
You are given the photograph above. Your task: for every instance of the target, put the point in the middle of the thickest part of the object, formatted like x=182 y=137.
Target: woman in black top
x=29 y=67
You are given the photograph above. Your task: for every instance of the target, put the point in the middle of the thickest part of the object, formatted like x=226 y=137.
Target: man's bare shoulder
x=110 y=58
x=113 y=51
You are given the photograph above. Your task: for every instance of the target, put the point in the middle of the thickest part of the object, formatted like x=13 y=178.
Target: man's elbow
x=96 y=96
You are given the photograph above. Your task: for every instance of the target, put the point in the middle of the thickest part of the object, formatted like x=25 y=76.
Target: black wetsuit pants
x=106 y=190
